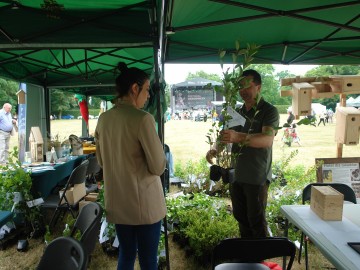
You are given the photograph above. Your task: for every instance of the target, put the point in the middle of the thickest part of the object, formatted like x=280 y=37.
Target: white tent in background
x=353 y=102
x=318 y=108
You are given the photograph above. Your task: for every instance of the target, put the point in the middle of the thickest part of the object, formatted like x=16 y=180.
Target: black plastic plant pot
x=215 y=173
x=228 y=175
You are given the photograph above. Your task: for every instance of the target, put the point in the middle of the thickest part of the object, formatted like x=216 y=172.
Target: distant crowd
x=191 y=114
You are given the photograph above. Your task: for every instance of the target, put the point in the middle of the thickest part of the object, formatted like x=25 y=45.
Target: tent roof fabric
x=289 y=32
x=75 y=45
x=196 y=82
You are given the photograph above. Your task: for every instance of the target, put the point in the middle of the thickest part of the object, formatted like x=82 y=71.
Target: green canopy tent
x=289 y=32
x=75 y=45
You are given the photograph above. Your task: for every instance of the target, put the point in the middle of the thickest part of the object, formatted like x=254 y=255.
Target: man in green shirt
x=252 y=147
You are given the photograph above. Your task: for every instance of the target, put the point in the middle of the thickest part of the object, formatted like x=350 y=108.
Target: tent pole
x=339 y=149
x=47 y=100
x=158 y=42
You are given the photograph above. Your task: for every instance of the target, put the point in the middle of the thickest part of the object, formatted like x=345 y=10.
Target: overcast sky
x=176 y=73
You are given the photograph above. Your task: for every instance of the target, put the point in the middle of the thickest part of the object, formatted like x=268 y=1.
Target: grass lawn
x=186 y=140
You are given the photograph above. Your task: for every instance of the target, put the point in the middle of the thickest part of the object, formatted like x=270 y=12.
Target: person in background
x=294 y=134
x=253 y=161
x=321 y=118
x=132 y=157
x=330 y=114
x=6 y=126
x=290 y=118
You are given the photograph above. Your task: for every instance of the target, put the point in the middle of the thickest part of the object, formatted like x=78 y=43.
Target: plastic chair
x=349 y=195
x=64 y=253
x=88 y=223
x=92 y=170
x=61 y=203
x=248 y=253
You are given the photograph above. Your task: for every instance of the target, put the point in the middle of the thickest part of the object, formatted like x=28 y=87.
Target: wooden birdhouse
x=347 y=125
x=347 y=84
x=36 y=143
x=301 y=102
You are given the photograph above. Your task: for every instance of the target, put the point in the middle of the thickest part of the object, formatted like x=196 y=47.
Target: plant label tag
x=237 y=119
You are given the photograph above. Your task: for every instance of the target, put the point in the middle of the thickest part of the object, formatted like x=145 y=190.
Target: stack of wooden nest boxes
x=305 y=89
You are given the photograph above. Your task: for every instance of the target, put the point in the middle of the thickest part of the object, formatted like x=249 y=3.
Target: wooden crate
x=301 y=101
x=327 y=202
x=347 y=125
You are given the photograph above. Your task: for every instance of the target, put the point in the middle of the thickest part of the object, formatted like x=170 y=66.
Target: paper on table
x=42 y=168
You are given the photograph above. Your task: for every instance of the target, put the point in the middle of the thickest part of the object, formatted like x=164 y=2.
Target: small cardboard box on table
x=36 y=143
x=327 y=202
x=74 y=194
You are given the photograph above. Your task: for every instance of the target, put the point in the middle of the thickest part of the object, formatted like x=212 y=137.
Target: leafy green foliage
x=196 y=176
x=232 y=81
x=203 y=74
x=14 y=180
x=203 y=220
x=307 y=121
x=8 y=91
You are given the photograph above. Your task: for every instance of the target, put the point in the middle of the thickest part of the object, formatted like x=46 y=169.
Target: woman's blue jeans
x=143 y=239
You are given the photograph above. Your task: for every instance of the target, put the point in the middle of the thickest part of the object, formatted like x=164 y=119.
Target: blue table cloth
x=45 y=181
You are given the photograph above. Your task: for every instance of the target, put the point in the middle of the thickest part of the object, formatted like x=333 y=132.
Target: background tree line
x=62 y=101
x=271 y=81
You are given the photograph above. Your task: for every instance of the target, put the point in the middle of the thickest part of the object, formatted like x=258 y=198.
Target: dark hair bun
x=122 y=67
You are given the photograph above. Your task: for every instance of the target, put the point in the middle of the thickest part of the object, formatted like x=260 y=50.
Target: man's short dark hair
x=253 y=73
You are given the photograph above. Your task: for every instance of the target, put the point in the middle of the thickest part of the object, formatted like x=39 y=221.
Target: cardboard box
x=74 y=194
x=347 y=125
x=91 y=197
x=36 y=143
x=327 y=202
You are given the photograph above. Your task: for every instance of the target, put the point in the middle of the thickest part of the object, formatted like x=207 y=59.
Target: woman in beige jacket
x=132 y=157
